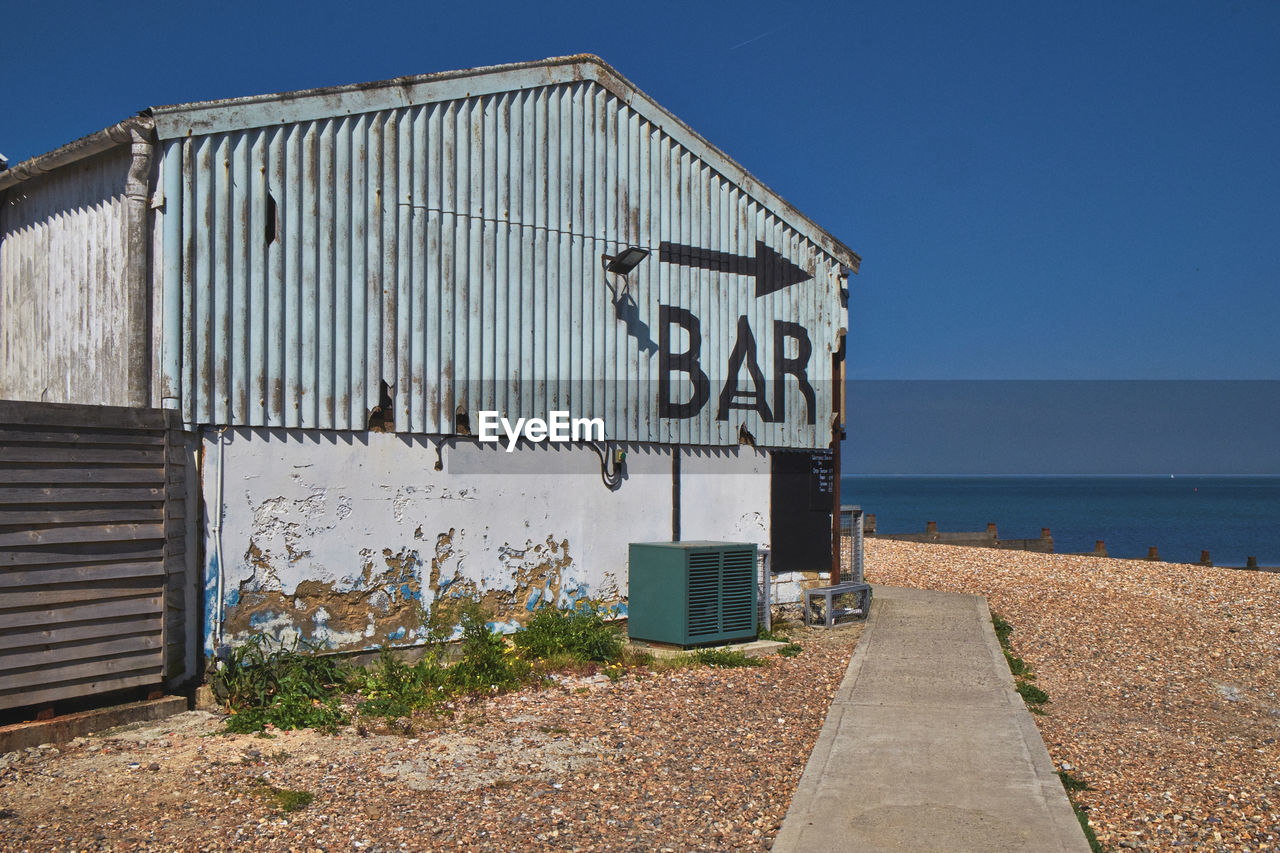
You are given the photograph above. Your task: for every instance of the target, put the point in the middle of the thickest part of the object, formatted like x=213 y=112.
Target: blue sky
x=1084 y=190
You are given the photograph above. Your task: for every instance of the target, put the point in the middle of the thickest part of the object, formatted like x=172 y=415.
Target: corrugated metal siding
x=92 y=551
x=452 y=250
x=63 y=302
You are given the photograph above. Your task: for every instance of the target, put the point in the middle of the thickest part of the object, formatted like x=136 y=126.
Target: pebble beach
x=1163 y=681
x=691 y=759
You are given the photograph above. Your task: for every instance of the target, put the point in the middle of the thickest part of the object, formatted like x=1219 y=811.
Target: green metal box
x=692 y=593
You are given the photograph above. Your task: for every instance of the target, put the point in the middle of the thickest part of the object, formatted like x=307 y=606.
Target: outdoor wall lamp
x=625 y=261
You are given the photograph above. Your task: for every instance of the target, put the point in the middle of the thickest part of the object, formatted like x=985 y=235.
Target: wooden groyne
x=990 y=538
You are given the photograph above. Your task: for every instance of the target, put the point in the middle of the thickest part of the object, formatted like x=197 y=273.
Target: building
x=342 y=291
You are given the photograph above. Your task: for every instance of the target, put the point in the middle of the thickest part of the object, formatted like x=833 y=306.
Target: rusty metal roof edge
x=239 y=113
x=120 y=133
x=202 y=117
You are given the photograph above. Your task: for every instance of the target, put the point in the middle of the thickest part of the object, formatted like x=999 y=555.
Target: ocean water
x=1231 y=517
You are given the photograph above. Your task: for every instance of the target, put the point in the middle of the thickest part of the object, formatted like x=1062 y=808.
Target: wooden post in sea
x=1153 y=554
x=1204 y=559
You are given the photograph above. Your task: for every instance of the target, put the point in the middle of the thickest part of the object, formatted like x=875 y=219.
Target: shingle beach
x=1163 y=679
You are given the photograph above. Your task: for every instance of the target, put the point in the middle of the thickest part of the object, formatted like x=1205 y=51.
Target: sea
x=1233 y=518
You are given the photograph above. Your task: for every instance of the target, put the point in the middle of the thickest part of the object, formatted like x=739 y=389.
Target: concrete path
x=927 y=746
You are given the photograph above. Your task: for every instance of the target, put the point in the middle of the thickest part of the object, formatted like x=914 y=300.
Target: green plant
x=790 y=650
x=1031 y=694
x=285 y=799
x=1016 y=664
x=773 y=636
x=1003 y=628
x=725 y=658
x=1072 y=784
x=392 y=688
x=580 y=632
x=1095 y=846
x=488 y=663
x=289 y=687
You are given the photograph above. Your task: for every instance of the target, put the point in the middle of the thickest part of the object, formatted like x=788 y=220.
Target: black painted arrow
x=771 y=271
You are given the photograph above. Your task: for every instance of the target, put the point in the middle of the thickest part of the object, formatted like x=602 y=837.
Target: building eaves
x=120 y=133
x=232 y=114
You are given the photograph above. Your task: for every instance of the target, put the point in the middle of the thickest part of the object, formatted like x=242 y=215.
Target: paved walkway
x=927 y=746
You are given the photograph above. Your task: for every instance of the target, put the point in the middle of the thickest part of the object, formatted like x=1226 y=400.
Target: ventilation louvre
x=692 y=593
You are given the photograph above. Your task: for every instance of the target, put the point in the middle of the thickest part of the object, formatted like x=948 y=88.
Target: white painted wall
x=326 y=535
x=724 y=495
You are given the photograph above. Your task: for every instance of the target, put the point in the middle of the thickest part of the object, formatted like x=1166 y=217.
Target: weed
x=280 y=685
x=790 y=650
x=1016 y=664
x=636 y=658
x=285 y=800
x=580 y=632
x=1023 y=676
x=1072 y=784
x=1031 y=694
x=772 y=635
x=1095 y=846
x=1003 y=628
x=687 y=660
x=1035 y=697
x=392 y=688
x=488 y=663
x=725 y=658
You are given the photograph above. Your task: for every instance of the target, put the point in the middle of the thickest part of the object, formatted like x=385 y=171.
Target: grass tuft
x=725 y=658
x=1072 y=784
x=1031 y=694
x=285 y=800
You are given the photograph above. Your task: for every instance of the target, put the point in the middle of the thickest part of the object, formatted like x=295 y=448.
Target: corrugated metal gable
x=452 y=250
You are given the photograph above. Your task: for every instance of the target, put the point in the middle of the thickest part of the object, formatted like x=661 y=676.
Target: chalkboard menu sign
x=822 y=480
x=800 y=511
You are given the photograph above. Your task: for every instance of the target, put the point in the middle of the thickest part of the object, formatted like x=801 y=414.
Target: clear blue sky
x=1085 y=190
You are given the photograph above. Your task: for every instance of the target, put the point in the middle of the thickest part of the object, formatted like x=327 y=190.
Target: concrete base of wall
x=64 y=728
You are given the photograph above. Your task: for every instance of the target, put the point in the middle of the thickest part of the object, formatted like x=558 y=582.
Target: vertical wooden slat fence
x=92 y=558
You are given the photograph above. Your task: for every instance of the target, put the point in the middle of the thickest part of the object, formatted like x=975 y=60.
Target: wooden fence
x=92 y=555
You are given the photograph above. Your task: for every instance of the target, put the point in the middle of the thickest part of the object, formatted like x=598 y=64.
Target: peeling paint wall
x=348 y=541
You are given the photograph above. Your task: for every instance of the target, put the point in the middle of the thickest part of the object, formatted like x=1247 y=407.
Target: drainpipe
x=137 y=279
